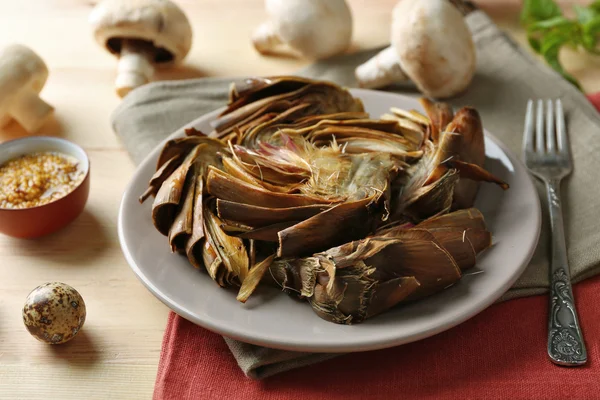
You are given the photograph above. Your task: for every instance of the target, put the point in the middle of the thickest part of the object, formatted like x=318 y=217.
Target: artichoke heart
x=298 y=188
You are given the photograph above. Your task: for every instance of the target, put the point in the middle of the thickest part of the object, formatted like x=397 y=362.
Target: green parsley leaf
x=548 y=30
x=584 y=14
x=539 y=10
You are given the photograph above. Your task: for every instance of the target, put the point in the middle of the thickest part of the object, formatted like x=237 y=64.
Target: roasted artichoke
x=298 y=187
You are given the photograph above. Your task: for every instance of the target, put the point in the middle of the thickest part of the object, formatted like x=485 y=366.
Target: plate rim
x=327 y=347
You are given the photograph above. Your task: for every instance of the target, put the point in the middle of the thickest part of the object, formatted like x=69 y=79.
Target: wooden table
x=116 y=354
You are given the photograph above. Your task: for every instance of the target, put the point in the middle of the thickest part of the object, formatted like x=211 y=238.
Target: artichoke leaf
x=464 y=245
x=340 y=224
x=370 y=275
x=325 y=98
x=467 y=122
x=181 y=229
x=310 y=120
x=424 y=202
x=357 y=145
x=411 y=115
x=297 y=275
x=339 y=132
x=252 y=252
x=347 y=299
x=276 y=110
x=169 y=195
x=257 y=88
x=412 y=131
x=226 y=187
x=195 y=242
x=232 y=117
x=231 y=250
x=269 y=132
x=463 y=233
x=470 y=218
x=267 y=233
x=239 y=170
x=276 y=165
x=194 y=132
x=253 y=279
x=356 y=296
x=476 y=173
x=160 y=176
x=182 y=146
x=257 y=216
x=213 y=263
x=261 y=128
x=440 y=115
x=390 y=293
x=447 y=150
x=421 y=257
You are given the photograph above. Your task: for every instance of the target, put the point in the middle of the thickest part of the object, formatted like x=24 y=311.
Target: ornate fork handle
x=565 y=341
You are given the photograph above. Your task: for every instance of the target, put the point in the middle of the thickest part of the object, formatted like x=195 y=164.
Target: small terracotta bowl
x=41 y=220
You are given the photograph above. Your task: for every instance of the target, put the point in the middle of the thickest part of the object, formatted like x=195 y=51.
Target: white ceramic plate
x=273 y=319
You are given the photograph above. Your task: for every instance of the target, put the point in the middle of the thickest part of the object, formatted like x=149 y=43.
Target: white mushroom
x=141 y=33
x=430 y=44
x=22 y=77
x=315 y=29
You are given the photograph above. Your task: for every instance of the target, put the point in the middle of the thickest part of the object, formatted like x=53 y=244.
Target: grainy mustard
x=38 y=178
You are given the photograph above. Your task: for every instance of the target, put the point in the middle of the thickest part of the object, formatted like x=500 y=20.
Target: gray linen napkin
x=507 y=76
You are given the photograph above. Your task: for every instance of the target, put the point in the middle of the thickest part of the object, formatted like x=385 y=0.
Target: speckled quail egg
x=54 y=312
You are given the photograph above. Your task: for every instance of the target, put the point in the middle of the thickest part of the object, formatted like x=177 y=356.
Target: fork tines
x=536 y=139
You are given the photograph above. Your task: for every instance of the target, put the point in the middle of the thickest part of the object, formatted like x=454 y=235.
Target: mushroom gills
x=141 y=33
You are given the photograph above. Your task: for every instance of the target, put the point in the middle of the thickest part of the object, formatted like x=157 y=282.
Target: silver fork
x=547 y=156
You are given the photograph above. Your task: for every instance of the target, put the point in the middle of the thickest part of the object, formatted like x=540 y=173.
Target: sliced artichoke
x=168 y=197
x=353 y=215
x=229 y=249
x=181 y=228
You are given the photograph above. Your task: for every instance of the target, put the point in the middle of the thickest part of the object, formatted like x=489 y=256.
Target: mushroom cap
x=20 y=68
x=159 y=22
x=315 y=28
x=434 y=46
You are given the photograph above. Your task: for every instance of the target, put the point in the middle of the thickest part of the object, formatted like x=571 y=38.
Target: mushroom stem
x=135 y=65
x=265 y=38
x=381 y=70
x=30 y=111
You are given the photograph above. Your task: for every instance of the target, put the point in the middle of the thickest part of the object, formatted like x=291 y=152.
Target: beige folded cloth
x=507 y=76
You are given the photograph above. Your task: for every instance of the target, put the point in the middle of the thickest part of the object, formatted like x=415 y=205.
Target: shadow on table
x=178 y=72
x=75 y=245
x=11 y=131
x=80 y=351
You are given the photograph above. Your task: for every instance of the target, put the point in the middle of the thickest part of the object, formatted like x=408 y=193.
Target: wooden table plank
x=116 y=354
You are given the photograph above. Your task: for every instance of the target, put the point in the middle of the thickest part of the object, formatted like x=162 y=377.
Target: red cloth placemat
x=595 y=99
x=500 y=353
